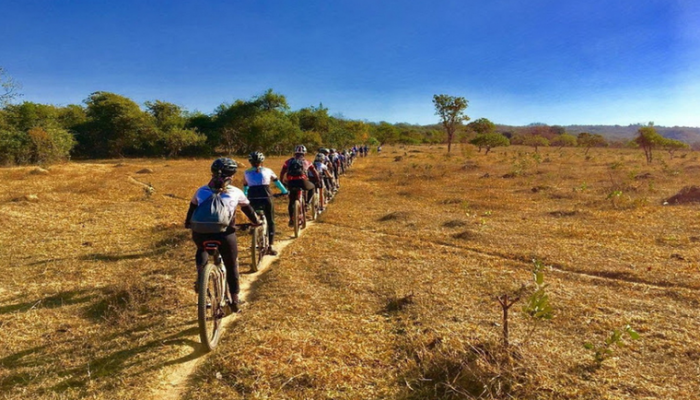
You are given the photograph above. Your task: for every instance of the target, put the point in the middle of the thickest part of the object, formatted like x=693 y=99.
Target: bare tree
x=9 y=88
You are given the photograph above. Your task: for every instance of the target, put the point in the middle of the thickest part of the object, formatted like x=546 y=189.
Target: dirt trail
x=173 y=379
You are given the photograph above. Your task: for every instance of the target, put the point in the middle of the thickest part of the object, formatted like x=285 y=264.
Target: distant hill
x=686 y=134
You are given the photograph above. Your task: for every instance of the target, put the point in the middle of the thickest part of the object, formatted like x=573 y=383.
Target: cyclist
x=256 y=185
x=322 y=168
x=222 y=170
x=341 y=161
x=295 y=174
x=335 y=162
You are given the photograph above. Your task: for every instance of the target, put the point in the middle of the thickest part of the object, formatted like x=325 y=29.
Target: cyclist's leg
x=201 y=256
x=229 y=254
x=292 y=198
x=309 y=187
x=269 y=209
x=299 y=184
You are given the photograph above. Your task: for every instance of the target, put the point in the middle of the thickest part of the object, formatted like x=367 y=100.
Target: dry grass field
x=391 y=295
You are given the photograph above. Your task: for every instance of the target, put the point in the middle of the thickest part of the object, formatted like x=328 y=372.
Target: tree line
x=109 y=125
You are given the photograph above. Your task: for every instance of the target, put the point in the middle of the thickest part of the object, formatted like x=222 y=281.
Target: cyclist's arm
x=280 y=186
x=283 y=173
x=250 y=213
x=190 y=211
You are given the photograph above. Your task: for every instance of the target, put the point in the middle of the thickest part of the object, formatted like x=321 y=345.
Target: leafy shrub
x=36 y=146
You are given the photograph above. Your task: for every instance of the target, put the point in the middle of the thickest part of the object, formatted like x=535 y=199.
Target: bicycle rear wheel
x=209 y=310
x=296 y=216
x=314 y=206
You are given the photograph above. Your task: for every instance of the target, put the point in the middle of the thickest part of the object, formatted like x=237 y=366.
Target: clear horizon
x=597 y=63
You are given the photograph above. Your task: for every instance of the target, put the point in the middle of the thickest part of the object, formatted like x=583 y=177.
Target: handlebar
x=244 y=227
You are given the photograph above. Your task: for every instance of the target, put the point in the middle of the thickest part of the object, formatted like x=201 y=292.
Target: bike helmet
x=333 y=151
x=324 y=150
x=256 y=157
x=320 y=157
x=224 y=167
x=301 y=149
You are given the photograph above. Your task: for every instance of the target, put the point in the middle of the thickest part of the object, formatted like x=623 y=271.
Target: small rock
x=145 y=171
x=27 y=197
x=39 y=171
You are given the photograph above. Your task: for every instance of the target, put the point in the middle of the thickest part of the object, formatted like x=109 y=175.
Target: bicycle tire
x=314 y=206
x=295 y=217
x=255 y=250
x=209 y=318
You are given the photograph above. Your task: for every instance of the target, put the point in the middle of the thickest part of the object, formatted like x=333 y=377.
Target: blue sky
x=517 y=62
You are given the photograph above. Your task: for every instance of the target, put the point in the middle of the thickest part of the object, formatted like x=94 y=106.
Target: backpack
x=296 y=167
x=211 y=215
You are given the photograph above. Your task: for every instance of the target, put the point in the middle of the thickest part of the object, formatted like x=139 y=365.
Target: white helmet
x=301 y=149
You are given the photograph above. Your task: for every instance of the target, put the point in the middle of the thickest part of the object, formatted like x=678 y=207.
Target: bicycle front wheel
x=210 y=312
x=255 y=251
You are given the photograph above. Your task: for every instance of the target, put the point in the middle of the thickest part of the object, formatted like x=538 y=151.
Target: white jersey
x=265 y=176
x=232 y=197
x=321 y=168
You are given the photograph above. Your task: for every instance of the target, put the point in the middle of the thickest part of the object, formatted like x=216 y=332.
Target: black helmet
x=224 y=167
x=256 y=157
x=324 y=151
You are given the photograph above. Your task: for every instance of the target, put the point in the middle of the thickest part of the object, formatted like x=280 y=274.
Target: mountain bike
x=321 y=196
x=315 y=206
x=260 y=240
x=299 y=216
x=260 y=236
x=213 y=294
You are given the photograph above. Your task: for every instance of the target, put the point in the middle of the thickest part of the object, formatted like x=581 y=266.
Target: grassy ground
x=392 y=295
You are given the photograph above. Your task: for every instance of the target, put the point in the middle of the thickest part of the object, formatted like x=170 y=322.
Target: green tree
x=450 y=109
x=116 y=126
x=564 y=140
x=648 y=138
x=535 y=141
x=205 y=125
x=27 y=115
x=270 y=100
x=482 y=126
x=71 y=117
x=385 y=133
x=489 y=141
x=314 y=119
x=37 y=145
x=673 y=145
x=167 y=116
x=172 y=136
x=587 y=140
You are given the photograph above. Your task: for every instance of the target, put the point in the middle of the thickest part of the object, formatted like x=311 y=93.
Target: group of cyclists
x=297 y=172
